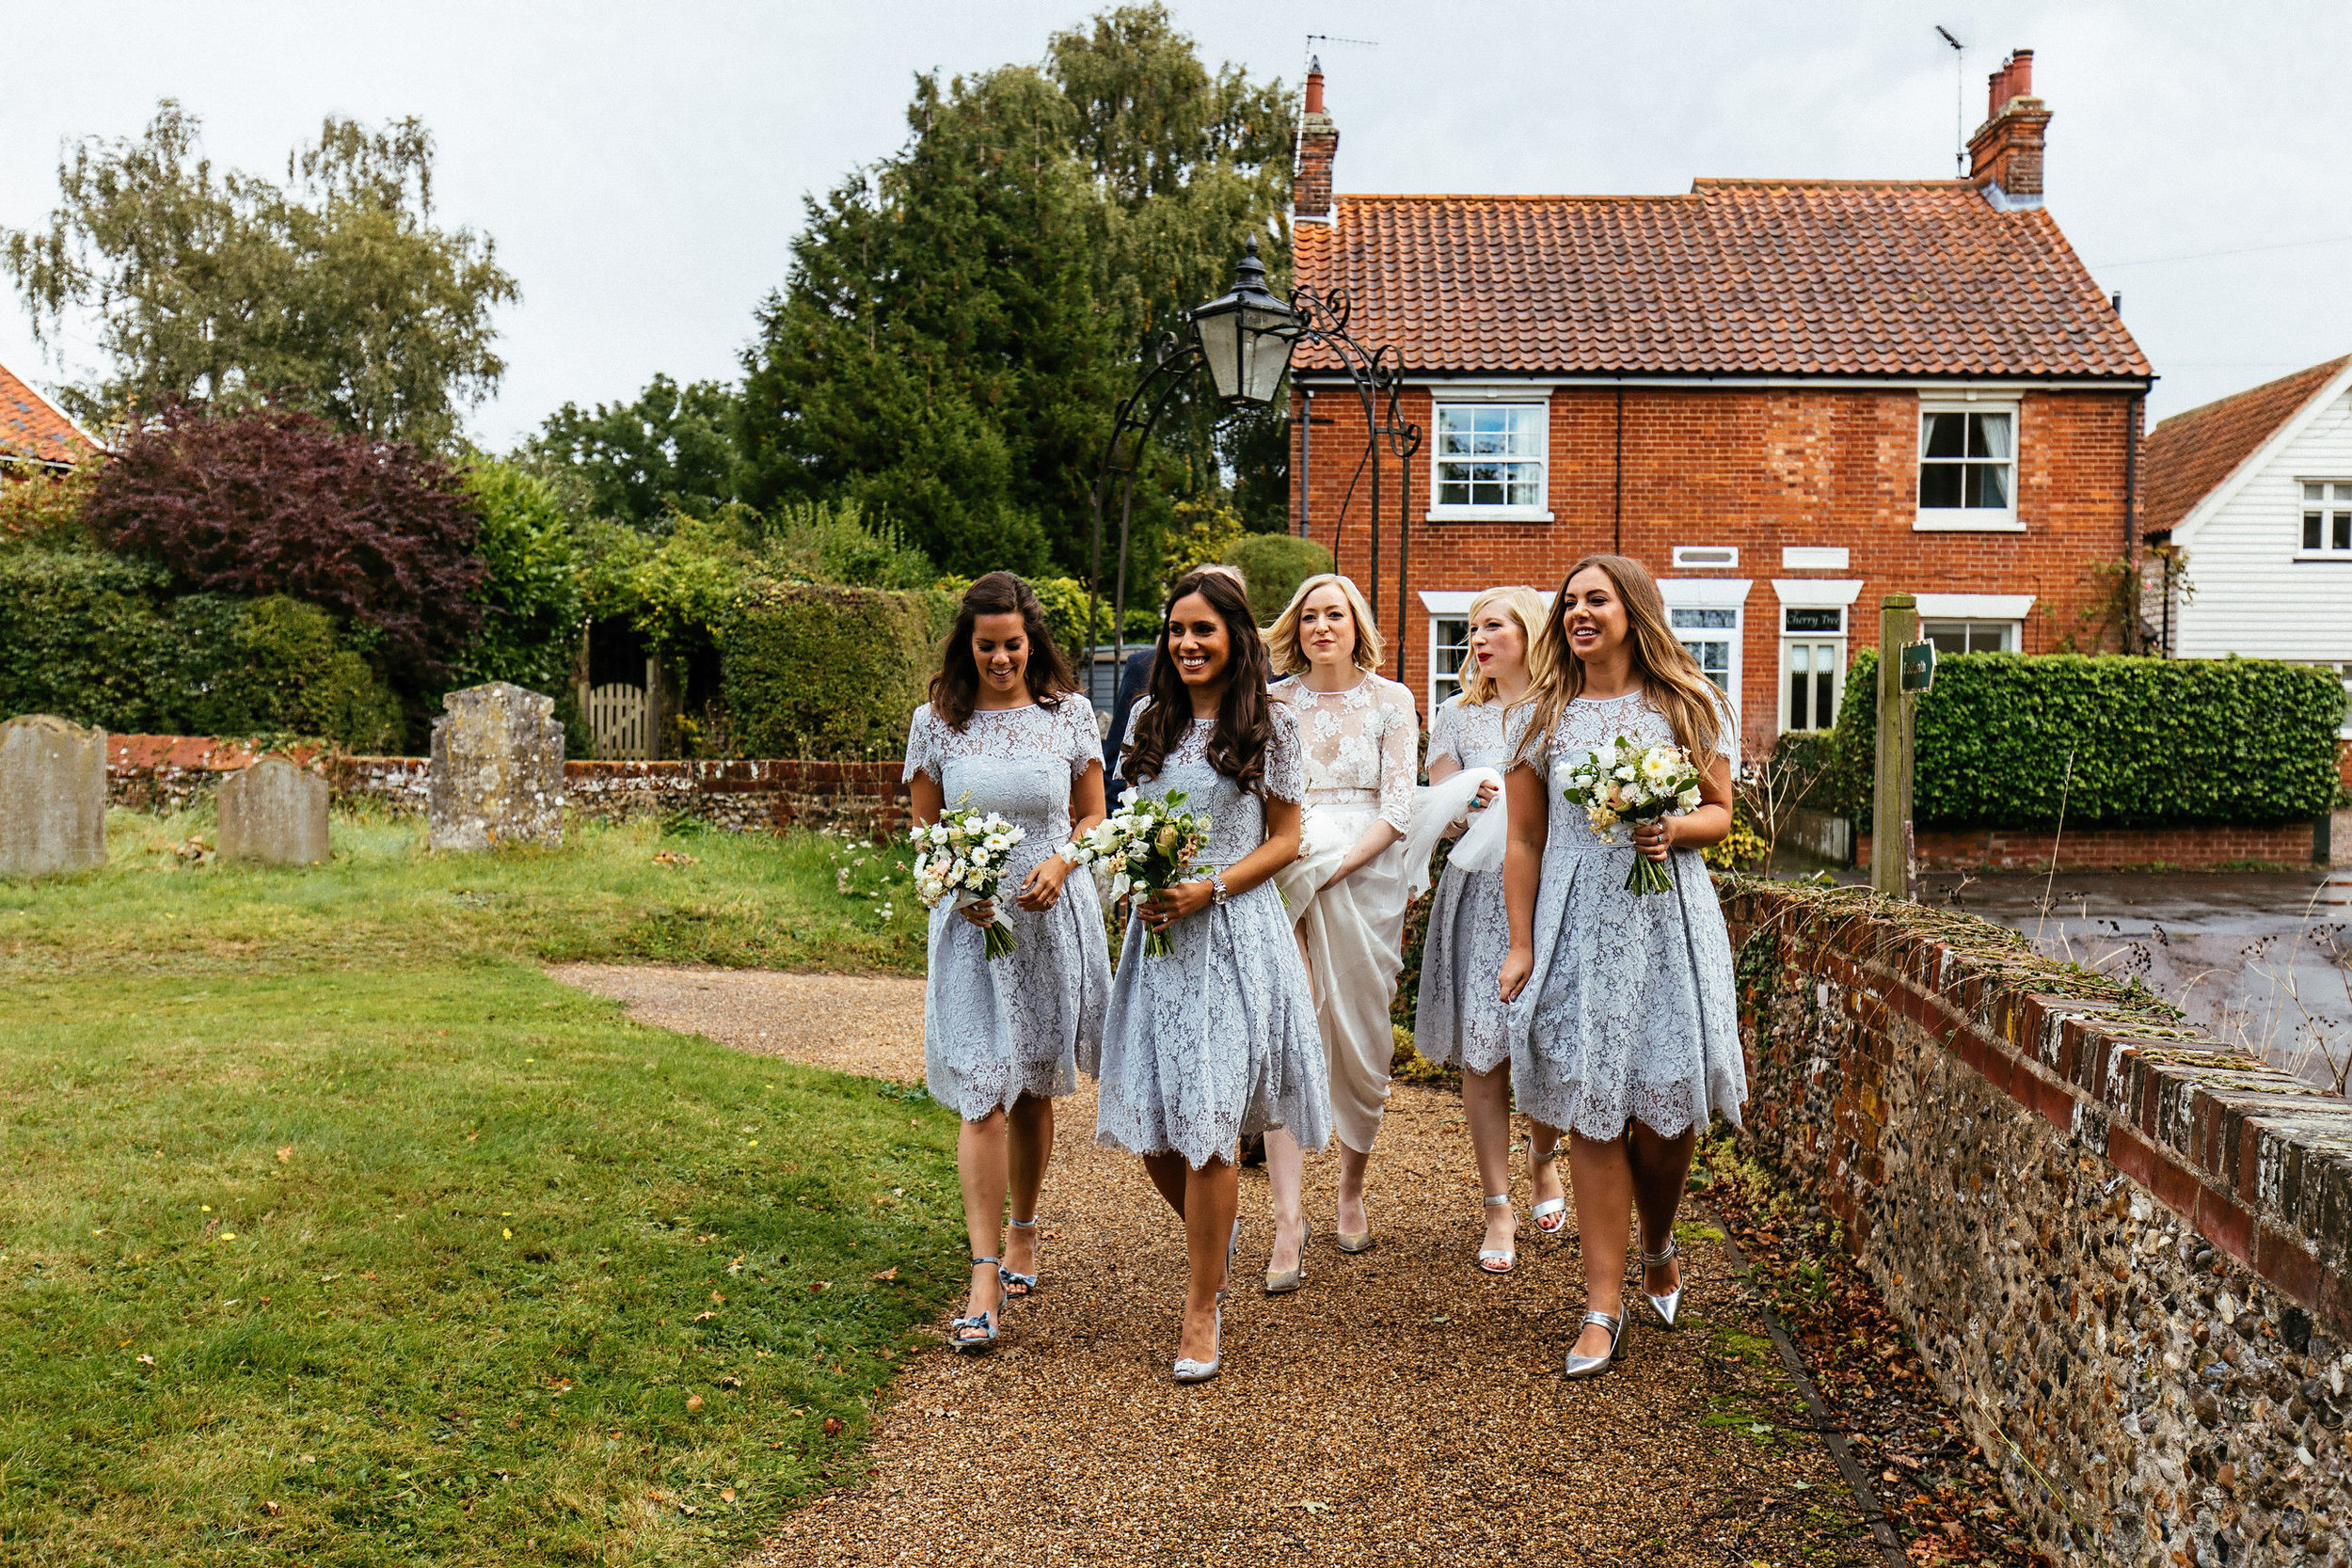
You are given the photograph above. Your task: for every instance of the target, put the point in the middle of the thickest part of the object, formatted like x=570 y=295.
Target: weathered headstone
x=274 y=813
x=53 y=797
x=498 y=771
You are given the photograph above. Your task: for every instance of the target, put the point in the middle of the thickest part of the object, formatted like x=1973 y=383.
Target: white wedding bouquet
x=1147 y=846
x=963 y=854
x=1628 y=782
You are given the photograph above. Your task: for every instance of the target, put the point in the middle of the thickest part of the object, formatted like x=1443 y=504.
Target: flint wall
x=2120 y=1245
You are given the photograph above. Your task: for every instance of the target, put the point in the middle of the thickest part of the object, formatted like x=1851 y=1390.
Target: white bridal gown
x=1364 y=752
x=1629 y=1010
x=1216 y=1037
x=996 y=1029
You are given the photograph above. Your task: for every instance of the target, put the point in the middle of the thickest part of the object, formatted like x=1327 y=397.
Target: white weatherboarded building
x=2251 y=499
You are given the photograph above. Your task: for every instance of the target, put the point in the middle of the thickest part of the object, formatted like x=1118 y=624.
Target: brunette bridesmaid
x=1215 y=1039
x=1007 y=731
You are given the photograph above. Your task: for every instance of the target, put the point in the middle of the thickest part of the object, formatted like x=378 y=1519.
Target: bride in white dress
x=1348 y=889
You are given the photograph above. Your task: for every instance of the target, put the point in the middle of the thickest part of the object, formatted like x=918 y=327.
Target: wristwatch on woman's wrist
x=1217 y=888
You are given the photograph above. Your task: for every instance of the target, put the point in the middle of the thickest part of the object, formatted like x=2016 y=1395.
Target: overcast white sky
x=642 y=167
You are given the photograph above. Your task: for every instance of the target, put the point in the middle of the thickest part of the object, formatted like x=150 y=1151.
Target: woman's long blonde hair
x=1526 y=609
x=1281 y=639
x=1671 y=678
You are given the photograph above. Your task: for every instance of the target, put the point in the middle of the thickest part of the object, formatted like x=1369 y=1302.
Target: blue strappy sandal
x=1017 y=1286
x=989 y=1323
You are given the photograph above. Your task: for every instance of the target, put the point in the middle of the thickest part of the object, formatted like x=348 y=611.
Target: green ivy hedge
x=2155 y=741
x=99 y=640
x=827 y=673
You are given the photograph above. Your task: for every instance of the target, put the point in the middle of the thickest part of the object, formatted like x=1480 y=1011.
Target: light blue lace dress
x=1217 y=1039
x=995 y=1030
x=1459 y=1017
x=1630 y=1009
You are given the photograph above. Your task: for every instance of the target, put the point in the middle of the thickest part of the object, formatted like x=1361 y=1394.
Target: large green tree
x=960 y=321
x=673 y=450
x=334 y=292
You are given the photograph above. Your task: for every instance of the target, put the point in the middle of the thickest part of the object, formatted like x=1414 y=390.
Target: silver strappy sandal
x=988 y=1323
x=1489 y=1257
x=1592 y=1366
x=1017 y=1286
x=1670 y=1303
x=1551 y=1214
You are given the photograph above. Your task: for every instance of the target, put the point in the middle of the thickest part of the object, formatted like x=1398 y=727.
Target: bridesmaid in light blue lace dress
x=1624 y=1027
x=1005 y=731
x=1460 y=1017
x=1216 y=1037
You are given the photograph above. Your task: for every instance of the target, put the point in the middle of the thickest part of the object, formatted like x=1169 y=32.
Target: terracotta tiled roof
x=29 y=427
x=2190 y=453
x=1782 y=278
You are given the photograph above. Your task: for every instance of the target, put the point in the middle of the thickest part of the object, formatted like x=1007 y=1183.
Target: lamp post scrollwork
x=1245 y=338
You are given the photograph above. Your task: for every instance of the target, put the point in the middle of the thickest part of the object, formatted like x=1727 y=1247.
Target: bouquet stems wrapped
x=1148 y=846
x=963 y=855
x=1625 y=781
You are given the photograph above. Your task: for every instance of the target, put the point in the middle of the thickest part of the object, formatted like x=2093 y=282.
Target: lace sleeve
x=922 y=746
x=1514 y=721
x=1083 y=741
x=1727 y=740
x=1442 y=726
x=1285 y=764
x=1400 y=755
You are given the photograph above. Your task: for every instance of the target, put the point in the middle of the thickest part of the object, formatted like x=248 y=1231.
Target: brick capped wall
x=1756 y=468
x=2123 y=1248
x=2188 y=848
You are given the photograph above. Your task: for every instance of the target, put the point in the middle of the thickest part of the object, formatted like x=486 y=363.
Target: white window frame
x=1969 y=519
x=1444 y=397
x=2329 y=509
x=1442 y=605
x=2010 y=608
x=2012 y=632
x=1714 y=593
x=1815 y=593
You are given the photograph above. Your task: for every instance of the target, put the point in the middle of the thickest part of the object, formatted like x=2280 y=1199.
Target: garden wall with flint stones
x=2120 y=1245
x=860 y=798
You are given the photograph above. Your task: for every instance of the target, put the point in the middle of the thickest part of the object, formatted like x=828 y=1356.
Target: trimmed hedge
x=832 y=674
x=2155 y=741
x=99 y=640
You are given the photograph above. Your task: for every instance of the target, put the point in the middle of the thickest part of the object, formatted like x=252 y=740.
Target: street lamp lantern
x=1247 y=337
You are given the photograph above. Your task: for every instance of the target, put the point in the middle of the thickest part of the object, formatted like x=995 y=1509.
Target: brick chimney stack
x=1318 y=145
x=2005 y=155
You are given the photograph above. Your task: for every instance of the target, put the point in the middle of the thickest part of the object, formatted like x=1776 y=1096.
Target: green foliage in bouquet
x=2153 y=741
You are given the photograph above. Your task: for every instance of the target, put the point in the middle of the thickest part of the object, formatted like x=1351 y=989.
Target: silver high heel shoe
x=1287 y=1280
x=985 y=1325
x=1189 y=1370
x=1232 y=1245
x=1017 y=1286
x=1592 y=1366
x=1670 y=1303
x=1493 y=1259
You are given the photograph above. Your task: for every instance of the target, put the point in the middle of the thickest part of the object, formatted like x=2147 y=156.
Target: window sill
x=1966 y=522
x=2341 y=556
x=1487 y=515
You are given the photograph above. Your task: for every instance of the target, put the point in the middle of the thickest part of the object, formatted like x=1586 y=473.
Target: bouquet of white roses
x=1147 y=846
x=963 y=854
x=1628 y=783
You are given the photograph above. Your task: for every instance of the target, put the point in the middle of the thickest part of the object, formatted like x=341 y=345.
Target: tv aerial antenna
x=1314 y=38
x=1960 y=88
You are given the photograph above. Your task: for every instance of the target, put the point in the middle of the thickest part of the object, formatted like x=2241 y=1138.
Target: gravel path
x=1400 y=1409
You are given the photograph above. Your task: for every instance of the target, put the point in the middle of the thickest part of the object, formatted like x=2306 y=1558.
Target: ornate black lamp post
x=1247 y=338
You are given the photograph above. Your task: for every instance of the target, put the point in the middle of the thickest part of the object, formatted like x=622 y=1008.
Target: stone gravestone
x=53 y=797
x=274 y=813
x=498 y=771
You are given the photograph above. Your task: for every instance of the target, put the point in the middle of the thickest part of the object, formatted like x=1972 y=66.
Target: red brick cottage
x=1786 y=397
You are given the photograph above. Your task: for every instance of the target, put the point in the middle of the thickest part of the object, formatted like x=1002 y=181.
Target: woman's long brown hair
x=1245 y=714
x=956 y=685
x=1671 y=678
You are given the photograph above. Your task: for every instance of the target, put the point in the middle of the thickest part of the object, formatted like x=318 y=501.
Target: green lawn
x=332 y=1231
